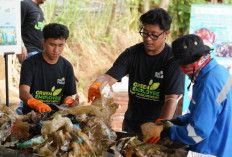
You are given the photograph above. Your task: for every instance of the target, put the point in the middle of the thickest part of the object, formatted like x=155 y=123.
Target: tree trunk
x=113 y=12
x=214 y=1
x=164 y=4
x=146 y=6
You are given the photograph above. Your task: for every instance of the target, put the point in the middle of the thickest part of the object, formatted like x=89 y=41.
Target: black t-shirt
x=150 y=79
x=48 y=82
x=32 y=24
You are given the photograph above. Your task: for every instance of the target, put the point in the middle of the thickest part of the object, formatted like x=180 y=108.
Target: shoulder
x=217 y=72
x=34 y=58
x=168 y=50
x=65 y=62
x=167 y=55
x=213 y=76
x=32 y=62
x=25 y=3
x=28 y=4
x=135 y=49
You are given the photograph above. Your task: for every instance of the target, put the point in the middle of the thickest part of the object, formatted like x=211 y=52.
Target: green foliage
x=93 y=24
x=228 y=1
x=88 y=21
x=180 y=12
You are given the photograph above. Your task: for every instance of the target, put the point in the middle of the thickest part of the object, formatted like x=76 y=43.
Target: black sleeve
x=70 y=84
x=174 y=79
x=23 y=11
x=26 y=74
x=120 y=66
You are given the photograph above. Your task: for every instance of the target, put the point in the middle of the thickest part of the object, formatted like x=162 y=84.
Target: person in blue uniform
x=207 y=129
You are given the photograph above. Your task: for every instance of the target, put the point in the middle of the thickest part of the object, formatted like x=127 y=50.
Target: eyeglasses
x=153 y=37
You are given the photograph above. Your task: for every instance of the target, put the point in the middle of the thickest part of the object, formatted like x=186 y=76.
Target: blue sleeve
x=184 y=118
x=204 y=111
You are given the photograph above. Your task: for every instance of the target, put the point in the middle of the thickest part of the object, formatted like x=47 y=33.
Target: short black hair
x=56 y=31
x=157 y=16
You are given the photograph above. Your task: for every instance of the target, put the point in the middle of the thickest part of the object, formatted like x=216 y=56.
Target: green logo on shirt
x=49 y=97
x=147 y=91
x=40 y=25
x=61 y=81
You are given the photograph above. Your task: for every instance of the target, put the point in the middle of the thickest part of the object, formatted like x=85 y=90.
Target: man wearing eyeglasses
x=155 y=81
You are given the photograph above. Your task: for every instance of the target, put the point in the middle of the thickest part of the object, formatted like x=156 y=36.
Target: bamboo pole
x=164 y=4
x=109 y=27
x=146 y=6
x=214 y=1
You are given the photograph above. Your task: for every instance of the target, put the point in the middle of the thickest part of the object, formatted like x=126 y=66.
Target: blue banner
x=213 y=23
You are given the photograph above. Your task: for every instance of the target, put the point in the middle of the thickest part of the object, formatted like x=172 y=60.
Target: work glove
x=175 y=121
x=38 y=105
x=161 y=132
x=71 y=102
x=94 y=91
x=151 y=132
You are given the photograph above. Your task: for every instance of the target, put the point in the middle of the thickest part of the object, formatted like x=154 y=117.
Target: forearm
x=169 y=107
x=107 y=78
x=24 y=93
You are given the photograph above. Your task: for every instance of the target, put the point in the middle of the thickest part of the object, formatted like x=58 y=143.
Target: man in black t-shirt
x=155 y=81
x=48 y=78
x=32 y=24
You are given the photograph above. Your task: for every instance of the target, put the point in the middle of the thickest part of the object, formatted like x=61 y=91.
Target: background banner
x=10 y=27
x=213 y=23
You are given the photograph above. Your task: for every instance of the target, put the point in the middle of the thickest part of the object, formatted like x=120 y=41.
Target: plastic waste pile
x=83 y=130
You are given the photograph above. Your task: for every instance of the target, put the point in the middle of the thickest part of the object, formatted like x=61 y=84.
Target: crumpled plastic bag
x=20 y=130
x=106 y=100
x=56 y=123
x=7 y=119
x=99 y=134
x=5 y=126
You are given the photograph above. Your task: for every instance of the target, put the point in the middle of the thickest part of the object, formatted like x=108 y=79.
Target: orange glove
x=158 y=120
x=70 y=101
x=153 y=140
x=94 y=91
x=151 y=132
x=38 y=105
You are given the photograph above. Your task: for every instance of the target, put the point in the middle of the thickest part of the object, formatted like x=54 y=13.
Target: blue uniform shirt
x=208 y=126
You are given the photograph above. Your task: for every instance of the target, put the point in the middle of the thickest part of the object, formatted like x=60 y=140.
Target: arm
x=27 y=98
x=115 y=73
x=169 y=107
x=202 y=119
x=94 y=91
x=71 y=101
x=70 y=96
x=24 y=93
x=107 y=78
x=23 y=55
